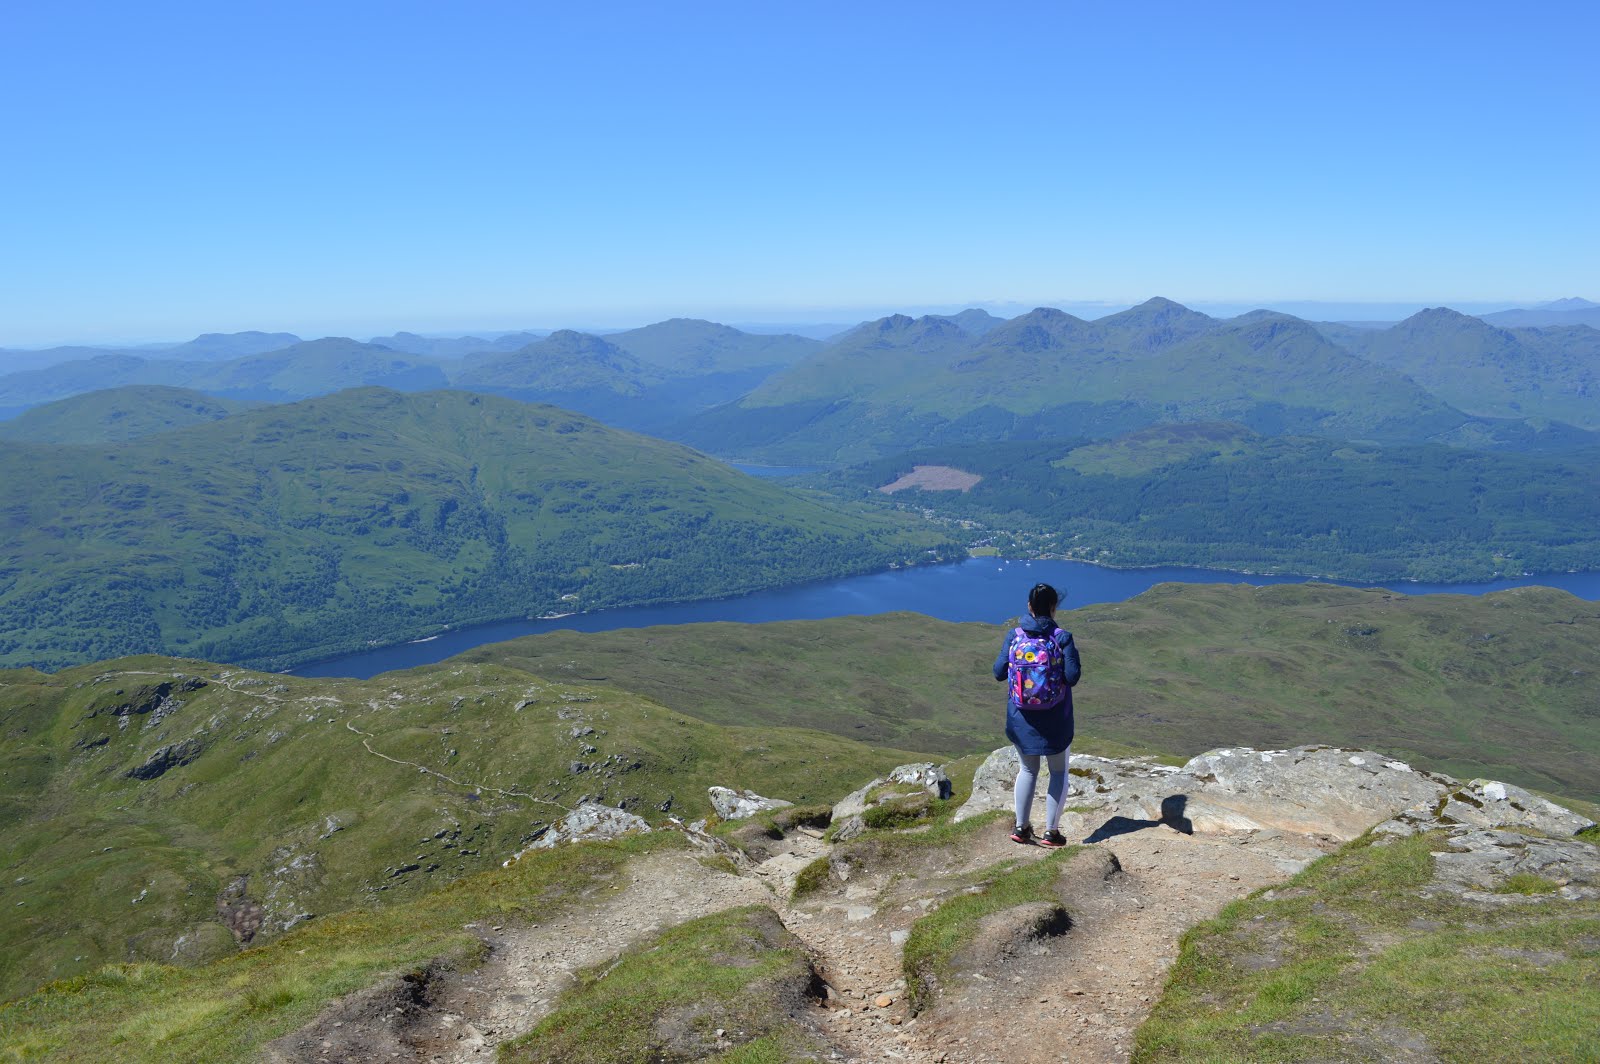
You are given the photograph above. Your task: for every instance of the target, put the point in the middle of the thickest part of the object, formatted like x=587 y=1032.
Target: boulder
x=589 y=821
x=739 y=805
x=924 y=774
x=1492 y=804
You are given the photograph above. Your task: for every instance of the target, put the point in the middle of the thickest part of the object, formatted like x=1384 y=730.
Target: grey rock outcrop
x=1484 y=805
x=1324 y=791
x=924 y=774
x=167 y=758
x=740 y=805
x=1480 y=865
x=589 y=821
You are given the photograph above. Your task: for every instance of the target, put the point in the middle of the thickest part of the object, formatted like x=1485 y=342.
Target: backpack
x=1038 y=670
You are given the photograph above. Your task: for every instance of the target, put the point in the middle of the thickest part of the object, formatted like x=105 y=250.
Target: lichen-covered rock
x=739 y=805
x=1482 y=862
x=1492 y=804
x=924 y=774
x=1325 y=791
x=590 y=820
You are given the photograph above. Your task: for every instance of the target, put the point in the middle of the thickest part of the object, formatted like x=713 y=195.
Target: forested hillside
x=1221 y=495
x=287 y=533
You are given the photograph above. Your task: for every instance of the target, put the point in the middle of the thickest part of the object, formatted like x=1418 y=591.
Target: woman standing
x=1040 y=661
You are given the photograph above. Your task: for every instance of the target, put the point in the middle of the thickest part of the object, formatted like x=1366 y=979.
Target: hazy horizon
x=843 y=317
x=357 y=168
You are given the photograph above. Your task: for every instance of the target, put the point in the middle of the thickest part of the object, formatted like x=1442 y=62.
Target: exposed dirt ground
x=934 y=478
x=1077 y=997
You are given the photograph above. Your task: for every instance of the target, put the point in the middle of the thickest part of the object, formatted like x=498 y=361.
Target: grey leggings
x=1028 y=779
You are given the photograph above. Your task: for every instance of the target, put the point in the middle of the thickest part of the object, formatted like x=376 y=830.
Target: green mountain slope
x=149 y=805
x=900 y=383
x=1496 y=372
x=135 y=794
x=113 y=414
x=690 y=345
x=1498 y=685
x=565 y=362
x=643 y=379
x=289 y=533
x=1221 y=495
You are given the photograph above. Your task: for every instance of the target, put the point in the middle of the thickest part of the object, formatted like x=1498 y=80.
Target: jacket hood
x=1038 y=625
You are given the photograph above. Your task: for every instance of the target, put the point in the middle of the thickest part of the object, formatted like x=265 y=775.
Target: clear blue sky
x=347 y=167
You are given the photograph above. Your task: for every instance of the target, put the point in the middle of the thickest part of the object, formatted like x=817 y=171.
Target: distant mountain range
x=1570 y=311
x=900 y=382
x=642 y=378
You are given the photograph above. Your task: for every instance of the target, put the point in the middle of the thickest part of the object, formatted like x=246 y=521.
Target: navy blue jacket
x=1040 y=731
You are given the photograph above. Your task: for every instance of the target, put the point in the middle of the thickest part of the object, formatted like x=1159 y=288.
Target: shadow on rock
x=1172 y=808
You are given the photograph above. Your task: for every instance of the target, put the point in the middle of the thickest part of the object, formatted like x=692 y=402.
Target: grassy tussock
x=736 y=971
x=1348 y=960
x=940 y=935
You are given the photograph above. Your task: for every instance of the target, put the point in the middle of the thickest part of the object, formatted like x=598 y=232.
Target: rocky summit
x=903 y=924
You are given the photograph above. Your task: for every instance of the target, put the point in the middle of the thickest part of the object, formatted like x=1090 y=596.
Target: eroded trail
x=528 y=967
x=1075 y=997
x=1084 y=993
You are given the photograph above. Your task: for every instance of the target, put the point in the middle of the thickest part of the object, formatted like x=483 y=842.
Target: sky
x=356 y=168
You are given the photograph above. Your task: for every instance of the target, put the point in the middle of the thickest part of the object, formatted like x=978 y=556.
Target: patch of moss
x=812 y=878
x=1526 y=883
x=738 y=972
x=899 y=812
x=938 y=936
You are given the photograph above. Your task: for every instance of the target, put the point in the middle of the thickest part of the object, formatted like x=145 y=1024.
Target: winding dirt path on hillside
x=1078 y=999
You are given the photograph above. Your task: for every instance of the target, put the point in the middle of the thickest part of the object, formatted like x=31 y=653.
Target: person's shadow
x=1171 y=816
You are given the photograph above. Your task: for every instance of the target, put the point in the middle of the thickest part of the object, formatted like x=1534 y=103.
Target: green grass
x=1495 y=686
x=1347 y=960
x=940 y=935
x=229 y=1009
x=738 y=971
x=1527 y=883
x=312 y=789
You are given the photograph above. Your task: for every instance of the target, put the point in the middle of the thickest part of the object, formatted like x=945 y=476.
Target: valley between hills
x=206 y=860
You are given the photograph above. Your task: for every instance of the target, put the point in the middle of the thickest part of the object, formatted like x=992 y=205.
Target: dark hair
x=1042 y=600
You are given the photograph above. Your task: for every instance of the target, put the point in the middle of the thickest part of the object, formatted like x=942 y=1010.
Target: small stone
x=883 y=1001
